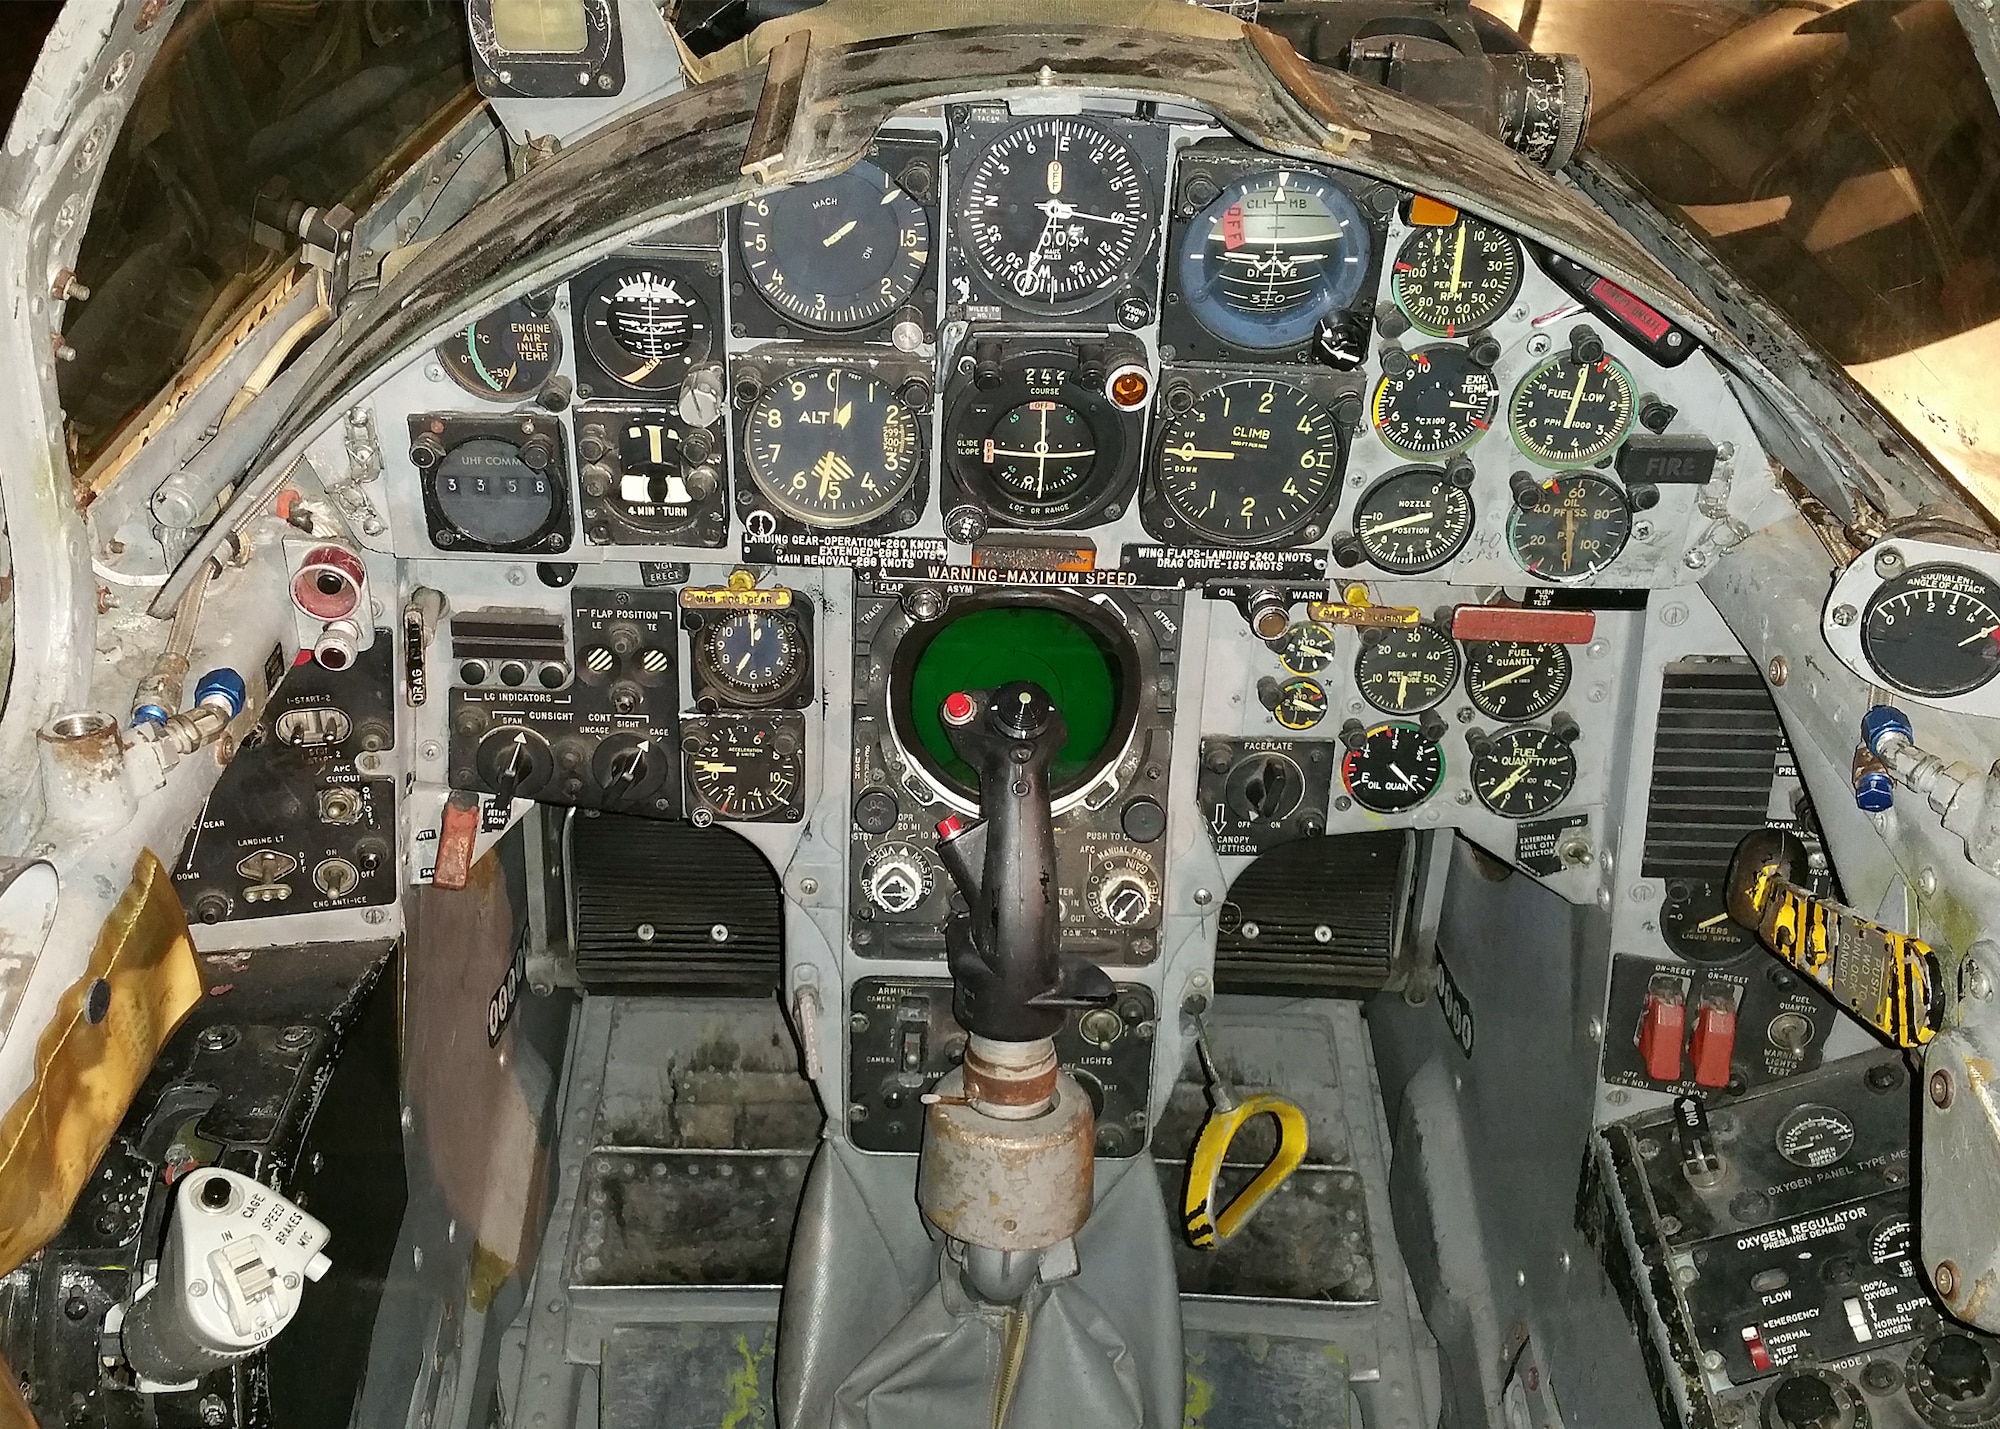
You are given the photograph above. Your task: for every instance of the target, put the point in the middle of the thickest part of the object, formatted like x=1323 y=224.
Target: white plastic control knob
x=896 y=879
x=1126 y=900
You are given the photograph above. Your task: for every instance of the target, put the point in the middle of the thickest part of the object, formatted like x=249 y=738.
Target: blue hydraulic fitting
x=1874 y=791
x=148 y=714
x=220 y=687
x=1880 y=723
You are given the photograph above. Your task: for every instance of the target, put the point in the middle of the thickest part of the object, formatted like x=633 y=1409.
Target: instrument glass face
x=646 y=327
x=754 y=654
x=1570 y=413
x=1413 y=521
x=1576 y=526
x=1396 y=768
x=832 y=446
x=1456 y=279
x=1273 y=255
x=1523 y=773
x=839 y=254
x=1300 y=704
x=1439 y=402
x=1406 y=670
x=505 y=354
x=1041 y=452
x=1934 y=630
x=489 y=495
x=1251 y=461
x=1057 y=212
x=744 y=771
x=1307 y=648
x=1515 y=680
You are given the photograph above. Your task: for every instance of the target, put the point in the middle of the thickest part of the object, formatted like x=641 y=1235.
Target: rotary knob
x=1124 y=891
x=896 y=878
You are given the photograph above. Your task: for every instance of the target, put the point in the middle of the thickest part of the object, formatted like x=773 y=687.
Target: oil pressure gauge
x=1568 y=527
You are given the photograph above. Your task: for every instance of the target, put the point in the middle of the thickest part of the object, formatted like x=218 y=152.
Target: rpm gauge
x=1934 y=630
x=1570 y=413
x=838 y=254
x=1413 y=520
x=1057 y=212
x=505 y=354
x=1522 y=773
x=1394 y=767
x=1440 y=401
x=1406 y=670
x=1251 y=462
x=1455 y=279
x=646 y=327
x=1515 y=680
x=744 y=770
x=1271 y=256
x=1569 y=527
x=832 y=446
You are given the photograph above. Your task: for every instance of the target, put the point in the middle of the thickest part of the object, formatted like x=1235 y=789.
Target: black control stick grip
x=1013 y=981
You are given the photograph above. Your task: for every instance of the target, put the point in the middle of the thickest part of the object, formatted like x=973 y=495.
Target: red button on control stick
x=1714 y=1039
x=959 y=708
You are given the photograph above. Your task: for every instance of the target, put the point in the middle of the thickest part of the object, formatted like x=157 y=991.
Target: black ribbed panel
x=1350 y=884
x=682 y=881
x=1714 y=761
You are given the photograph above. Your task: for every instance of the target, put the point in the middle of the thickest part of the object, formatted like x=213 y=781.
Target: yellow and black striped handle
x=1207 y=1227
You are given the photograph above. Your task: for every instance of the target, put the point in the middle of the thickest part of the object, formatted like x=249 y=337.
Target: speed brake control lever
x=1013 y=981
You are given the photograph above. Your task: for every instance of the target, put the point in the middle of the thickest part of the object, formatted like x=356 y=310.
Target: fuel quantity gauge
x=1515 y=680
x=1522 y=773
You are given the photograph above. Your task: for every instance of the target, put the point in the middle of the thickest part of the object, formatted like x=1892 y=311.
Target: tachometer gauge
x=1057 y=212
x=838 y=254
x=505 y=354
x=1436 y=402
x=1395 y=767
x=832 y=446
x=1271 y=255
x=1522 y=773
x=646 y=327
x=1306 y=648
x=1570 y=413
x=1252 y=461
x=1413 y=520
x=1570 y=527
x=1042 y=452
x=1406 y=670
x=1300 y=703
x=1456 y=279
x=756 y=657
x=1934 y=630
x=1514 y=680
x=744 y=770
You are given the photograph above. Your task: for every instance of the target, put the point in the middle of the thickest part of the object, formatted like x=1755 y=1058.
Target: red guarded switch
x=1713 y=1042
x=1661 y=1029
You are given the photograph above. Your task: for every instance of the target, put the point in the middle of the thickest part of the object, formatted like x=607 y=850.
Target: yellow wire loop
x=1206 y=1227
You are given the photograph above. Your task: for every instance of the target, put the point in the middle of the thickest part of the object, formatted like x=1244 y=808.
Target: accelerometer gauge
x=831 y=446
x=1395 y=767
x=1299 y=703
x=742 y=770
x=838 y=254
x=1041 y=453
x=1523 y=773
x=754 y=655
x=1815 y=1136
x=646 y=326
x=1057 y=212
x=1440 y=401
x=1413 y=520
x=1306 y=648
x=1252 y=461
x=1572 y=527
x=1934 y=630
x=505 y=354
x=1570 y=413
x=1456 y=279
x=1271 y=255
x=488 y=493
x=1406 y=670
x=1515 y=680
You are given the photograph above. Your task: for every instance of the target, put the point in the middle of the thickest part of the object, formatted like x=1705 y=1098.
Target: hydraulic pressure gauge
x=832 y=446
x=645 y=326
x=1452 y=280
x=838 y=254
x=1273 y=255
x=1299 y=703
x=1435 y=402
x=1515 y=680
x=505 y=354
x=1306 y=648
x=1251 y=462
x=1406 y=670
x=1934 y=630
x=1522 y=773
x=1413 y=520
x=1570 y=413
x=1569 y=527
x=745 y=770
x=1393 y=768
x=1057 y=212
x=757 y=657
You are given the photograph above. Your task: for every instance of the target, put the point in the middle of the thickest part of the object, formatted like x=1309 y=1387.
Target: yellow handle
x=1207 y=1227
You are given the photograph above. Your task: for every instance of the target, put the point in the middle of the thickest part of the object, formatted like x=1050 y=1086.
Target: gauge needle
x=710 y=766
x=1519 y=774
x=1188 y=451
x=1057 y=211
x=1582 y=376
x=1457 y=262
x=1422 y=518
x=839 y=233
x=1408 y=782
x=1518 y=672
x=842 y=414
x=1982 y=635
x=1711 y=922
x=1569 y=537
